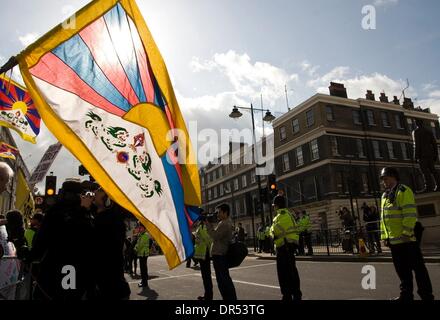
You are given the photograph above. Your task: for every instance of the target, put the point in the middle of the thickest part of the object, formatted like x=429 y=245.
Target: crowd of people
x=85 y=229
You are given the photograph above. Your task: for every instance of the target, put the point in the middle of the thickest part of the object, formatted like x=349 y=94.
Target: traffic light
x=272 y=186
x=51 y=186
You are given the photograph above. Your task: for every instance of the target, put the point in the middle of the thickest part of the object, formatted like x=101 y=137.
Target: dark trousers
x=374 y=241
x=305 y=239
x=427 y=166
x=205 y=269
x=288 y=276
x=224 y=281
x=260 y=245
x=133 y=264
x=144 y=269
x=407 y=257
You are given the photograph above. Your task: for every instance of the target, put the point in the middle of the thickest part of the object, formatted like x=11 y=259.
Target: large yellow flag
x=102 y=88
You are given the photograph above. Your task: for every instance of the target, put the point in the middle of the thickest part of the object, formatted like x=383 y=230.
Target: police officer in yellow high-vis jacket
x=143 y=251
x=201 y=253
x=284 y=232
x=398 y=218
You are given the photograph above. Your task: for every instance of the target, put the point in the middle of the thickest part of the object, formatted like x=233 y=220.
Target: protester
x=65 y=239
x=372 y=223
x=221 y=236
x=240 y=233
x=109 y=244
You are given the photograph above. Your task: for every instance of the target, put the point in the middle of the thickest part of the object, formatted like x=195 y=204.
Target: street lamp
x=269 y=117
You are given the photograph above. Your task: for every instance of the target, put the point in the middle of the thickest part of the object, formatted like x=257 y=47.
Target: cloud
x=384 y=3
x=335 y=73
x=28 y=38
x=247 y=78
x=307 y=67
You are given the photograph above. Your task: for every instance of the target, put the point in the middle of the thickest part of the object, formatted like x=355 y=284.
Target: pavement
x=431 y=255
x=256 y=279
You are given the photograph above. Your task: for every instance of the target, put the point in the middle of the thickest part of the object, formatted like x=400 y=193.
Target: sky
x=235 y=52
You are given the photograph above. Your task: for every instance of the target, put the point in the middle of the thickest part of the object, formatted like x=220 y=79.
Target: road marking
x=256 y=284
x=169 y=277
x=258 y=265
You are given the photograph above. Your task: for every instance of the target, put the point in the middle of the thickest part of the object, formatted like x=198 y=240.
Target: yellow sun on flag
x=20 y=105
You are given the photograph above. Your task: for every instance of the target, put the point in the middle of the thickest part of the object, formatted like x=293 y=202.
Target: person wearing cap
x=426 y=154
x=284 y=231
x=398 y=219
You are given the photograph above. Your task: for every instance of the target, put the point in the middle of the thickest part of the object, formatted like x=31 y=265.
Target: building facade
x=329 y=151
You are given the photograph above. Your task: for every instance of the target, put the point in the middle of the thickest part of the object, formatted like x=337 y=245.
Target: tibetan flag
x=17 y=110
x=102 y=88
x=8 y=151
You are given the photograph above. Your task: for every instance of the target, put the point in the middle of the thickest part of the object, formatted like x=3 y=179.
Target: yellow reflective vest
x=142 y=246
x=284 y=228
x=202 y=242
x=304 y=223
x=398 y=215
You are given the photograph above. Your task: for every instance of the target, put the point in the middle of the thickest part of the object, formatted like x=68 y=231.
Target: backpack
x=237 y=251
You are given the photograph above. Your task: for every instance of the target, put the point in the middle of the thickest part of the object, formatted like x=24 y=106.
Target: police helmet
x=389 y=172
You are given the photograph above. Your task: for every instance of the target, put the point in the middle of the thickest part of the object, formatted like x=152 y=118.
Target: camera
x=210 y=217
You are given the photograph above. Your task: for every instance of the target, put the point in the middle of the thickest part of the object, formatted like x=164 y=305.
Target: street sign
x=46 y=161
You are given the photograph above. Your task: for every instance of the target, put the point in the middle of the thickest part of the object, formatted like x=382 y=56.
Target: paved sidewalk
x=431 y=255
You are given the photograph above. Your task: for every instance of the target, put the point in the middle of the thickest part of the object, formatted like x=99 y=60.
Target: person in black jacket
x=109 y=249
x=65 y=240
x=372 y=220
x=426 y=153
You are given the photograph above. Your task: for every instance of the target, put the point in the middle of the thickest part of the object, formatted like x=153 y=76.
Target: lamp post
x=235 y=114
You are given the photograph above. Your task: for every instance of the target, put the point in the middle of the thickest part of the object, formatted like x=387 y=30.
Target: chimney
x=370 y=95
x=408 y=104
x=396 y=101
x=337 y=90
x=383 y=98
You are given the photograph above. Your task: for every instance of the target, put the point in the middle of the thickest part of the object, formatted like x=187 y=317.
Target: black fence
x=331 y=241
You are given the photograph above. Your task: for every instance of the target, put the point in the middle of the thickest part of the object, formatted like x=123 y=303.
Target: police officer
x=201 y=253
x=284 y=231
x=143 y=251
x=305 y=236
x=398 y=218
x=426 y=153
x=261 y=235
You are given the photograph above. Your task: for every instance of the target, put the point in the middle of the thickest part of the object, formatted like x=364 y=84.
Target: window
x=253 y=177
x=236 y=184
x=376 y=148
x=209 y=194
x=220 y=172
x=228 y=187
x=385 y=119
x=237 y=208
x=286 y=163
x=398 y=120
x=360 y=148
x=364 y=177
x=314 y=149
x=295 y=125
x=215 y=192
x=434 y=132
x=222 y=191
x=404 y=151
x=390 y=147
x=334 y=145
x=226 y=169
x=310 y=118
x=299 y=156
x=357 y=117
x=370 y=117
x=283 y=134
x=329 y=113
x=214 y=175
x=409 y=121
x=244 y=181
x=203 y=180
